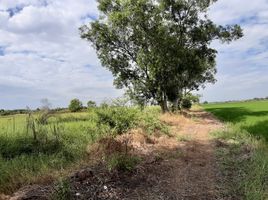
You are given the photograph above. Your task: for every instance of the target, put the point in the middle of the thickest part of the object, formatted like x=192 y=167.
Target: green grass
x=23 y=160
x=244 y=161
x=62 y=142
x=250 y=116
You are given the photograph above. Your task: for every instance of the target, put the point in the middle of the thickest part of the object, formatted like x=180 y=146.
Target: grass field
x=244 y=157
x=250 y=116
x=24 y=160
x=61 y=143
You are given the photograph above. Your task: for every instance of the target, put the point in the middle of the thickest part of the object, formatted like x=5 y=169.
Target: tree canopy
x=91 y=104
x=75 y=105
x=158 y=48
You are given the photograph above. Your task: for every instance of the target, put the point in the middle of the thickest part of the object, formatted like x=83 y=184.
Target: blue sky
x=42 y=55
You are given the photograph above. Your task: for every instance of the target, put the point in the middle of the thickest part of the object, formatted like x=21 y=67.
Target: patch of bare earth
x=177 y=167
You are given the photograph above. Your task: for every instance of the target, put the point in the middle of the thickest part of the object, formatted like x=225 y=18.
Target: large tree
x=158 y=48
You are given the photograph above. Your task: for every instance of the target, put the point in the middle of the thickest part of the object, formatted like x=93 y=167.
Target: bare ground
x=179 y=167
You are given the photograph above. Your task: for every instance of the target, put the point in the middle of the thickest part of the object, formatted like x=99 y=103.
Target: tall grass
x=244 y=163
x=62 y=141
x=244 y=160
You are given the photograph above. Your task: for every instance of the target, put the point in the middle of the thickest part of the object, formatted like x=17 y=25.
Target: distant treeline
x=25 y=111
x=246 y=100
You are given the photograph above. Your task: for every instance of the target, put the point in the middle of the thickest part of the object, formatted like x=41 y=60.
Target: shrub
x=91 y=104
x=120 y=119
x=75 y=105
x=149 y=121
x=186 y=104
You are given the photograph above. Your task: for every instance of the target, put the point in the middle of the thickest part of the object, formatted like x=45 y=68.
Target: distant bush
x=104 y=104
x=120 y=119
x=12 y=112
x=91 y=104
x=75 y=105
x=194 y=98
x=186 y=103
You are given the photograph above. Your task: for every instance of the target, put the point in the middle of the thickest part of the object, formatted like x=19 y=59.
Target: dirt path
x=194 y=174
x=180 y=167
x=188 y=170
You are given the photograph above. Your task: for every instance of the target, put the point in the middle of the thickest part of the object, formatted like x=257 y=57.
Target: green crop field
x=250 y=116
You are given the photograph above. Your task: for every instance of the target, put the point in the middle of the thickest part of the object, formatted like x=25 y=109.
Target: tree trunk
x=176 y=104
x=163 y=103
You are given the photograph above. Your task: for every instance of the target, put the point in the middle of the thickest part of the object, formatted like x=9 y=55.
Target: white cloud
x=45 y=57
x=242 y=65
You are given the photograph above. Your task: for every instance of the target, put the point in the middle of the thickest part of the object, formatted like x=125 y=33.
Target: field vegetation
x=33 y=151
x=244 y=154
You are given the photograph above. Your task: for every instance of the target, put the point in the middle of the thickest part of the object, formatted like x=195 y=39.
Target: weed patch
x=120 y=119
x=244 y=164
x=62 y=190
x=122 y=162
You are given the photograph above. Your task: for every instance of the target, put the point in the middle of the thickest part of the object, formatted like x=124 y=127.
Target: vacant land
x=242 y=148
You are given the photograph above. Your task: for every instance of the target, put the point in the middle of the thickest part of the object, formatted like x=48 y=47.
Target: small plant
x=184 y=138
x=62 y=190
x=31 y=124
x=122 y=162
x=43 y=117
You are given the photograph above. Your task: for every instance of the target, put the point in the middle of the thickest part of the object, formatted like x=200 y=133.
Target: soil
x=177 y=167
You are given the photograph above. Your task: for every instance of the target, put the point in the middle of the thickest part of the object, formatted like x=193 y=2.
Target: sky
x=42 y=55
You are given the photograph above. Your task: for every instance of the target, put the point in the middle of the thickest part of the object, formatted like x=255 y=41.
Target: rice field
x=244 y=158
x=250 y=116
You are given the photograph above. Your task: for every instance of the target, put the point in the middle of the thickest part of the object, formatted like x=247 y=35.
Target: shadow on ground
x=182 y=173
x=258 y=129
x=239 y=115
x=235 y=114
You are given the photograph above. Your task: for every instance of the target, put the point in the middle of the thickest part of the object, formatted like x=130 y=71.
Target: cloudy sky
x=42 y=55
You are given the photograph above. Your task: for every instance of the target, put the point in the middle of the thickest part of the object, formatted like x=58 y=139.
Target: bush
x=75 y=105
x=91 y=104
x=151 y=124
x=186 y=104
x=120 y=119
x=149 y=121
